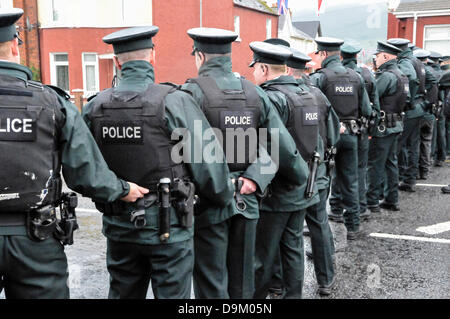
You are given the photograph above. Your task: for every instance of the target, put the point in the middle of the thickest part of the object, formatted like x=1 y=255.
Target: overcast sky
x=312 y=4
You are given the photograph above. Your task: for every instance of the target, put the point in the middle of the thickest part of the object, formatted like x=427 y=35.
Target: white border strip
x=86 y=211
x=431 y=185
x=424 y=239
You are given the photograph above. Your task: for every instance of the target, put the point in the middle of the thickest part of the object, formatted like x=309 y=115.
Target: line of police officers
x=247 y=237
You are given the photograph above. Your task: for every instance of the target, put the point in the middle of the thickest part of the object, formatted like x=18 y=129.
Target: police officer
x=408 y=149
x=225 y=237
x=393 y=89
x=137 y=125
x=438 y=149
x=283 y=213
x=428 y=120
x=349 y=52
x=346 y=91
x=444 y=84
x=322 y=241
x=40 y=132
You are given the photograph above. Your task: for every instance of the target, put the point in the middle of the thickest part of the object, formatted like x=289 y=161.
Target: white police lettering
x=238 y=120
x=24 y=126
x=344 y=89
x=312 y=116
x=134 y=132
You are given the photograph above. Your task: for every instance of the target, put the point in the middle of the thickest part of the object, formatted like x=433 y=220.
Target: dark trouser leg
x=241 y=257
x=391 y=168
x=378 y=154
x=347 y=177
x=268 y=236
x=447 y=125
x=210 y=270
x=292 y=255
x=129 y=271
x=426 y=137
x=321 y=239
x=410 y=153
x=171 y=269
x=363 y=155
x=276 y=284
x=441 y=139
x=336 y=196
x=33 y=270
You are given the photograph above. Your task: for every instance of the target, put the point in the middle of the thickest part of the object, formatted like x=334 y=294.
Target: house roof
x=422 y=5
x=311 y=28
x=257 y=5
x=295 y=32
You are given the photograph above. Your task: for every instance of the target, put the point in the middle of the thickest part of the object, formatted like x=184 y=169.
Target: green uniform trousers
x=283 y=232
x=33 y=270
x=383 y=158
x=346 y=181
x=322 y=241
x=439 y=147
x=132 y=266
x=427 y=124
x=224 y=259
x=408 y=151
x=447 y=125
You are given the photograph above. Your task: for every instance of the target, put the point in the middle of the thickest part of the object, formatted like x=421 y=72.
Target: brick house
x=425 y=22
x=64 y=47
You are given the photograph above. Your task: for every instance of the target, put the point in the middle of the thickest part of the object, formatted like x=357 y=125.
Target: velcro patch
x=310 y=116
x=17 y=125
x=344 y=89
x=237 y=119
x=122 y=132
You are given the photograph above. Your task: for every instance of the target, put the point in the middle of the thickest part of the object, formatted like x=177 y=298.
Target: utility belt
x=436 y=110
x=313 y=166
x=330 y=160
x=179 y=194
x=409 y=106
x=367 y=124
x=352 y=126
x=43 y=223
x=389 y=120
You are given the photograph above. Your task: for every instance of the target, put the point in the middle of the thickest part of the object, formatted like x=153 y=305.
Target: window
x=268 y=28
x=90 y=73
x=59 y=70
x=6 y=4
x=437 y=38
x=237 y=27
x=57 y=10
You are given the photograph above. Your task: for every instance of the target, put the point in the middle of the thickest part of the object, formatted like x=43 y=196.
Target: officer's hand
x=249 y=187
x=135 y=193
x=343 y=129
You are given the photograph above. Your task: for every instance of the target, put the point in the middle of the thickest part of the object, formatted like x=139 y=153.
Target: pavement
x=401 y=255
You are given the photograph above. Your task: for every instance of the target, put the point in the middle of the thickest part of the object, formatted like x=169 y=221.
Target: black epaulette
x=89 y=99
x=177 y=87
x=59 y=91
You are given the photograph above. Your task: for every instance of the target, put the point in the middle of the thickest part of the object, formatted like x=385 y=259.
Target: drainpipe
x=201 y=13
x=415 y=28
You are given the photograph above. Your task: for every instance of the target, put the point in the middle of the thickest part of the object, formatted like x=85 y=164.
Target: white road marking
x=435 y=229
x=430 y=185
x=86 y=211
x=424 y=239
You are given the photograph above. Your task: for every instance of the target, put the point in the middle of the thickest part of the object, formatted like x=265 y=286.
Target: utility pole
x=201 y=13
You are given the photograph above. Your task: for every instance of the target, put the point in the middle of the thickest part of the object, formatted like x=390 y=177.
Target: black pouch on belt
x=41 y=223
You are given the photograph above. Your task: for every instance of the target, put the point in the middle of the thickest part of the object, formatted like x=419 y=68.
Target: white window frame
x=97 y=74
x=6 y=4
x=54 y=64
x=434 y=26
x=268 y=28
x=237 y=27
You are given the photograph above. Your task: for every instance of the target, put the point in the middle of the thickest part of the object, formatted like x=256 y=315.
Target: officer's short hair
x=5 y=48
x=143 y=54
x=277 y=68
x=297 y=72
x=209 y=56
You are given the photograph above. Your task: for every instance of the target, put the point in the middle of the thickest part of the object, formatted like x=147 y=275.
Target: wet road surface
x=370 y=267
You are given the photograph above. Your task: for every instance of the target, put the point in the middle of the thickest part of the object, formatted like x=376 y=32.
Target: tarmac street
x=402 y=254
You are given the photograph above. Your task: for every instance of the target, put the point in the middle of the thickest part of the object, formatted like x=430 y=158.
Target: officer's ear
x=117 y=63
x=15 y=52
x=153 y=56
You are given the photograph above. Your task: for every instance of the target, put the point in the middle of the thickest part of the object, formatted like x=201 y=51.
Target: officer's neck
x=332 y=59
x=220 y=64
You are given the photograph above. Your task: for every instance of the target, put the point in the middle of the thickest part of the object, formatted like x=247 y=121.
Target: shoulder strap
x=58 y=91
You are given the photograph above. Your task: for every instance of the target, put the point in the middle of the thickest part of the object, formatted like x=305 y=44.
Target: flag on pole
x=320 y=5
x=283 y=6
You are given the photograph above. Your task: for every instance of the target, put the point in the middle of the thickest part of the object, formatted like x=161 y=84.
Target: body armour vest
x=131 y=132
x=421 y=74
x=367 y=76
x=303 y=121
x=236 y=114
x=30 y=124
x=343 y=90
x=433 y=93
x=322 y=102
x=395 y=103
